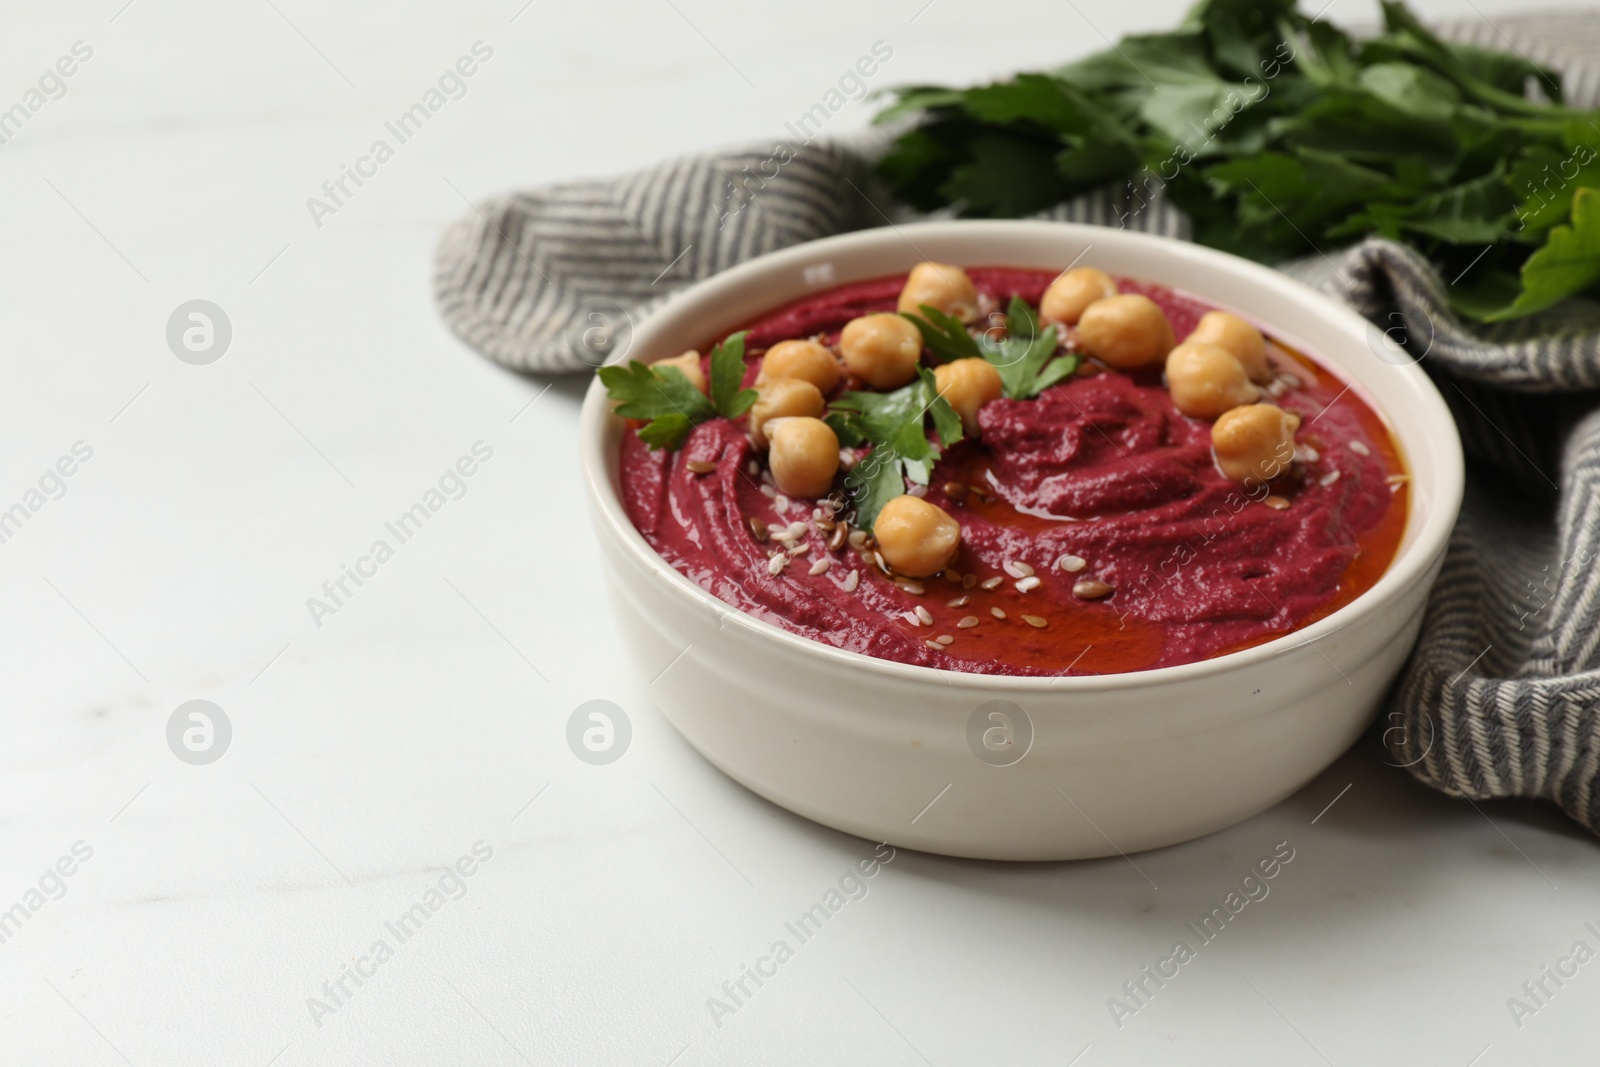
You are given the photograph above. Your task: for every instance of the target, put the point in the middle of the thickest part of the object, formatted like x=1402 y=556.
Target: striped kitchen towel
x=1501 y=697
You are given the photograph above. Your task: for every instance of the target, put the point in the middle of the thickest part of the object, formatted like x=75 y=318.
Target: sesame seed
x=1329 y=478
x=758 y=529
x=954 y=490
x=796 y=529
x=991 y=583
x=800 y=549
x=917 y=491
x=952 y=575
x=820 y=566
x=1360 y=448
x=1307 y=454
x=914 y=588
x=1072 y=564
x=968 y=581
x=1035 y=621
x=769 y=491
x=837 y=539
x=1091 y=589
x=959 y=602
x=851 y=582
x=1017 y=568
x=997 y=613
x=847 y=459
x=700 y=466
x=777 y=563
x=1290 y=381
x=945 y=639
x=1027 y=583
x=967 y=622
x=780 y=504
x=1276 y=503
x=882 y=566
x=936 y=646
x=857 y=538
x=753 y=469
x=924 y=615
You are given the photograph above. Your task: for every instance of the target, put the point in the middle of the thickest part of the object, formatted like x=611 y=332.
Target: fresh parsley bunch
x=1279 y=135
x=668 y=401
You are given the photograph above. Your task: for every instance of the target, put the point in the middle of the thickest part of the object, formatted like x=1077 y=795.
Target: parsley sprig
x=944 y=335
x=895 y=425
x=1022 y=354
x=727 y=375
x=668 y=402
x=1026 y=356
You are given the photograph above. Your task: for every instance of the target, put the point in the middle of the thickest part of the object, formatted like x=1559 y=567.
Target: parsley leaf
x=1568 y=263
x=878 y=478
x=667 y=431
x=1023 y=356
x=665 y=398
x=944 y=335
x=894 y=424
x=668 y=402
x=1545 y=177
x=727 y=374
x=946 y=423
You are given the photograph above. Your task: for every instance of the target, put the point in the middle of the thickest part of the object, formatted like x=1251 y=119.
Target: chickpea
x=1072 y=292
x=1125 y=331
x=1206 y=380
x=804 y=456
x=806 y=360
x=883 y=350
x=780 y=398
x=1239 y=337
x=689 y=364
x=968 y=384
x=916 y=538
x=941 y=286
x=1254 y=442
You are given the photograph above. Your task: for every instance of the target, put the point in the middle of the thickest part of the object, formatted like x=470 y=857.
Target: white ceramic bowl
x=1117 y=763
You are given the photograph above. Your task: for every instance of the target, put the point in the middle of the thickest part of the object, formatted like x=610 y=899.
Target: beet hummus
x=1097 y=531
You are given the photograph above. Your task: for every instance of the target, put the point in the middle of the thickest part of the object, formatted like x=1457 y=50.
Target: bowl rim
x=1413 y=564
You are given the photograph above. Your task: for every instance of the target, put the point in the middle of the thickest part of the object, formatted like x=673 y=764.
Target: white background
x=373 y=751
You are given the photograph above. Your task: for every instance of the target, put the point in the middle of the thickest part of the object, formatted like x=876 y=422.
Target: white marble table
x=376 y=746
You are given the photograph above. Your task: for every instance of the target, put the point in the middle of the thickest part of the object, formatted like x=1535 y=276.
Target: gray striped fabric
x=1501 y=698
